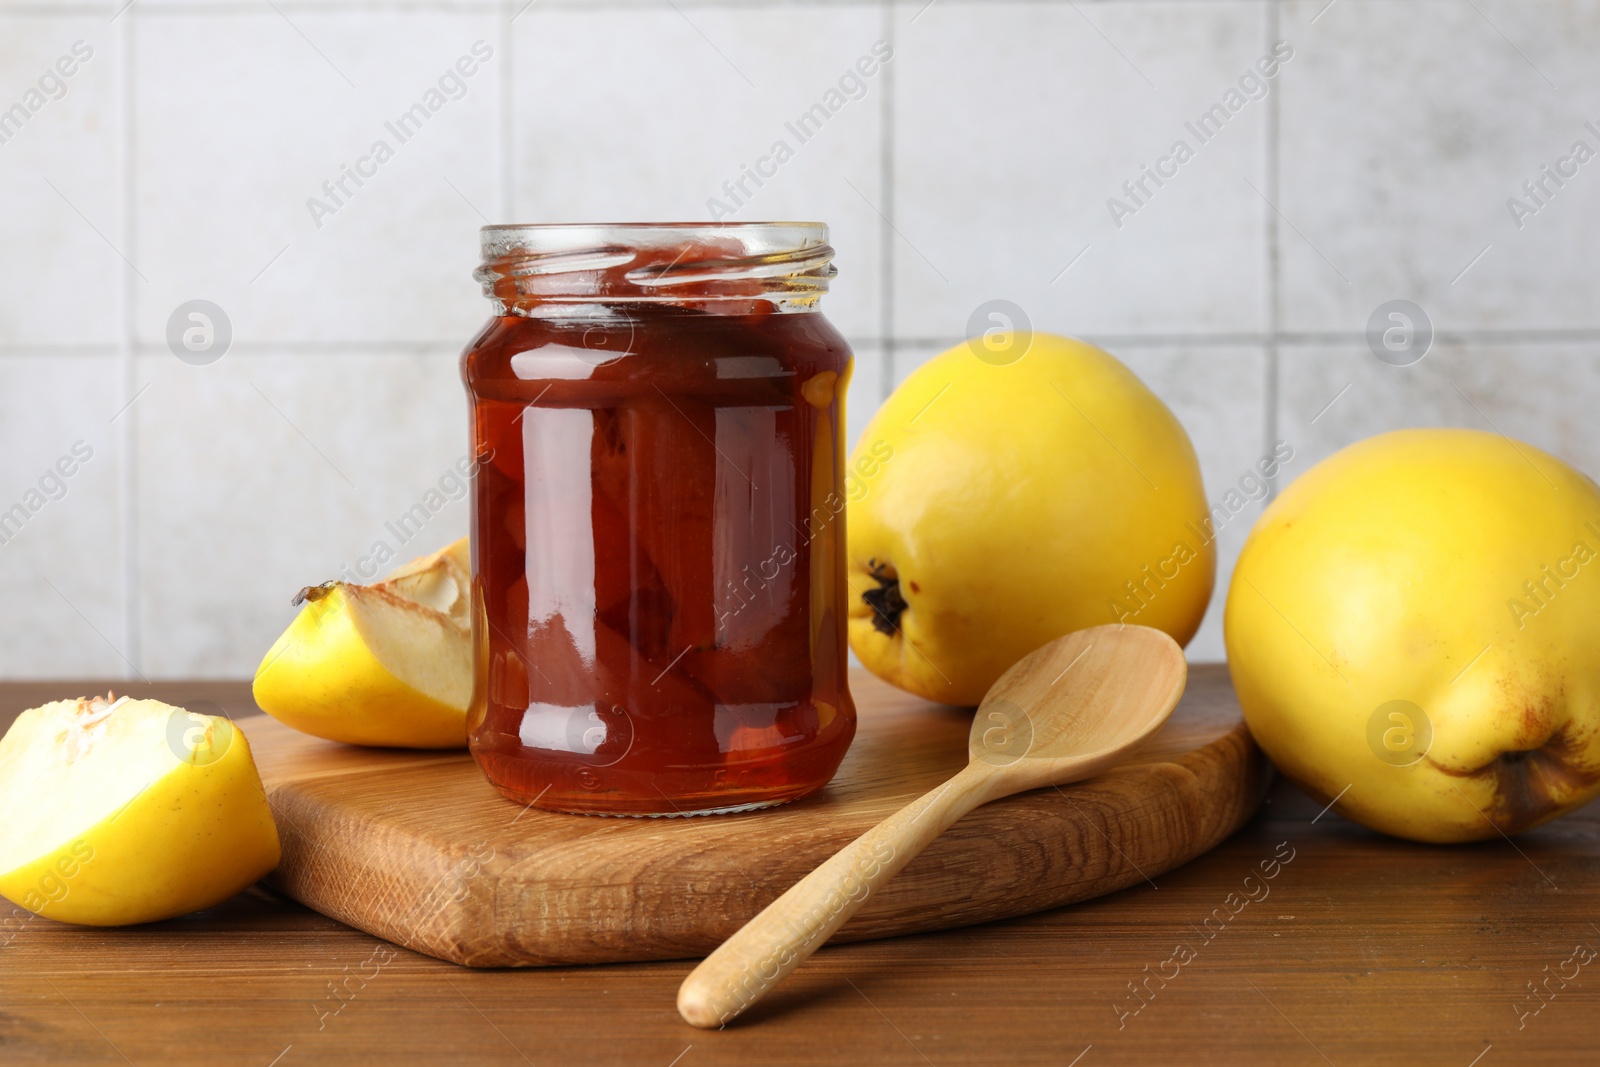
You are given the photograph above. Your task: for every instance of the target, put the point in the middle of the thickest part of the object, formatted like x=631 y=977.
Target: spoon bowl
x=1078 y=705
x=1062 y=713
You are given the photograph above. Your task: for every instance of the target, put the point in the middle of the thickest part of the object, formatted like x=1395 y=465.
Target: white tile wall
x=261 y=474
x=977 y=164
x=1544 y=394
x=239 y=123
x=623 y=113
x=1406 y=128
x=59 y=268
x=1015 y=123
x=60 y=534
x=866 y=384
x=1223 y=409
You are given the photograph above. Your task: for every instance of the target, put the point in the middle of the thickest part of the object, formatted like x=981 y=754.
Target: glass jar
x=657 y=519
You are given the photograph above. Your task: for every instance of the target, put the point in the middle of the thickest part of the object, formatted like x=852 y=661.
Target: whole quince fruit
x=128 y=811
x=1413 y=630
x=385 y=664
x=1014 y=489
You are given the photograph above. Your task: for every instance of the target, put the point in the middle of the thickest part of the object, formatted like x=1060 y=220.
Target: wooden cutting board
x=419 y=849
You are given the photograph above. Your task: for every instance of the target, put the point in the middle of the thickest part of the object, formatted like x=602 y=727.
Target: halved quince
x=387 y=664
x=128 y=811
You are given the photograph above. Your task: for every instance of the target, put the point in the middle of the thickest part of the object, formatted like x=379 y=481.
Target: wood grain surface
x=1368 y=950
x=419 y=849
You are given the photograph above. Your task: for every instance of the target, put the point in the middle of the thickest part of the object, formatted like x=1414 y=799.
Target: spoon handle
x=791 y=928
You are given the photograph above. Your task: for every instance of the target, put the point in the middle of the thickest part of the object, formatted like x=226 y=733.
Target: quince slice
x=128 y=811
x=388 y=664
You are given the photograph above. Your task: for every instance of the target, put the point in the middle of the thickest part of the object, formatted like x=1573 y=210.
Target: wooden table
x=1360 y=950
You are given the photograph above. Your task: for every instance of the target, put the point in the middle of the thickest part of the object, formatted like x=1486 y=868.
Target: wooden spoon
x=1062 y=713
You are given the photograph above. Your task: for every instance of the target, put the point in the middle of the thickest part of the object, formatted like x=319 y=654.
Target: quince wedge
x=115 y=812
x=387 y=664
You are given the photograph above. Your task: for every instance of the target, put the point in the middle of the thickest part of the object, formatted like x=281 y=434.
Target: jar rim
x=684 y=225
x=530 y=264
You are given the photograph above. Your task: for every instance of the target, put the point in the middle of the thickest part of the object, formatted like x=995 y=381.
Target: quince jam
x=657 y=523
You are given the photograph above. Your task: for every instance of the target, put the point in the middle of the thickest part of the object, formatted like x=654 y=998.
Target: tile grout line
x=1274 y=280
x=886 y=351
x=399 y=348
x=127 y=357
x=188 y=8
x=507 y=114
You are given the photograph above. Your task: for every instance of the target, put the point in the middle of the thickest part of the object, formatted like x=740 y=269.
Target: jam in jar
x=658 y=517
